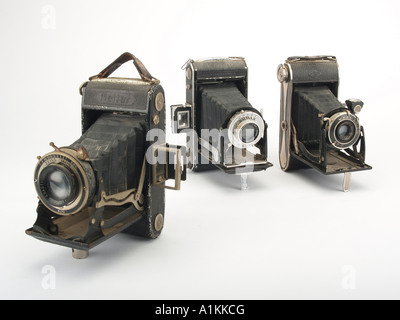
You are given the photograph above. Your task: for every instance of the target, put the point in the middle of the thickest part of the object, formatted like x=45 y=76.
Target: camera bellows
x=320 y=99
x=313 y=103
x=115 y=146
x=219 y=103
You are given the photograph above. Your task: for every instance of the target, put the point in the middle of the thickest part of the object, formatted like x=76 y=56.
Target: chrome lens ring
x=343 y=130
x=76 y=182
x=242 y=121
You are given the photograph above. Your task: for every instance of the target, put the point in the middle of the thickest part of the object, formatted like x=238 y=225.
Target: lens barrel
x=246 y=129
x=343 y=130
x=64 y=184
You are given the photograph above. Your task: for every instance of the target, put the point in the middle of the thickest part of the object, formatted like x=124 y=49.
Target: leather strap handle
x=123 y=58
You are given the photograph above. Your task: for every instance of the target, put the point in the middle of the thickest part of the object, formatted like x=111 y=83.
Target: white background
x=291 y=235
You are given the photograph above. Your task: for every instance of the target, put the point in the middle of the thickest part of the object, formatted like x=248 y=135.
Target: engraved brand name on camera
x=248 y=117
x=57 y=159
x=117 y=99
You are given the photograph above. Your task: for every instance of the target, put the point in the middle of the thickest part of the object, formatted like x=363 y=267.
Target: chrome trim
x=192 y=161
x=334 y=121
x=238 y=121
x=285 y=117
x=346 y=181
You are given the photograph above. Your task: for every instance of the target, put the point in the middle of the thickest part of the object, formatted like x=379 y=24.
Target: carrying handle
x=125 y=57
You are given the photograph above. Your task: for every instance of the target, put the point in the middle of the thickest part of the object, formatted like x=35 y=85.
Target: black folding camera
x=109 y=180
x=225 y=131
x=316 y=130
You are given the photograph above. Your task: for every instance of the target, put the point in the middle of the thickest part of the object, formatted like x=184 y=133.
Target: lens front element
x=64 y=184
x=343 y=130
x=58 y=185
x=249 y=133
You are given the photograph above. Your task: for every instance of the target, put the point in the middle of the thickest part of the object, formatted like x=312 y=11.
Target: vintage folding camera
x=316 y=130
x=111 y=179
x=227 y=132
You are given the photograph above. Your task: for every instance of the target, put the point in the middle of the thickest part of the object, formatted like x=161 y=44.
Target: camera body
x=316 y=130
x=229 y=133
x=108 y=180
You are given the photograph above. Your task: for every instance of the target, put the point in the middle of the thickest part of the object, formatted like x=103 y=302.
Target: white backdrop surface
x=291 y=235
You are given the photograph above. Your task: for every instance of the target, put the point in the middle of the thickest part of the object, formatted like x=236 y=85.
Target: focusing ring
x=333 y=124
x=238 y=122
x=83 y=176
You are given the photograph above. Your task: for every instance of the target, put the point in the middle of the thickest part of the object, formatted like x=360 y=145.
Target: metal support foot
x=243 y=181
x=346 y=181
x=80 y=254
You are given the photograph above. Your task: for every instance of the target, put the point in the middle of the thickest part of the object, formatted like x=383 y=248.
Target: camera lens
x=64 y=184
x=249 y=132
x=246 y=129
x=58 y=185
x=345 y=131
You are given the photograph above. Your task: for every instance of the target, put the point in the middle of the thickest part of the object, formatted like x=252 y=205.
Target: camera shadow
x=100 y=257
x=333 y=182
x=122 y=249
x=231 y=181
